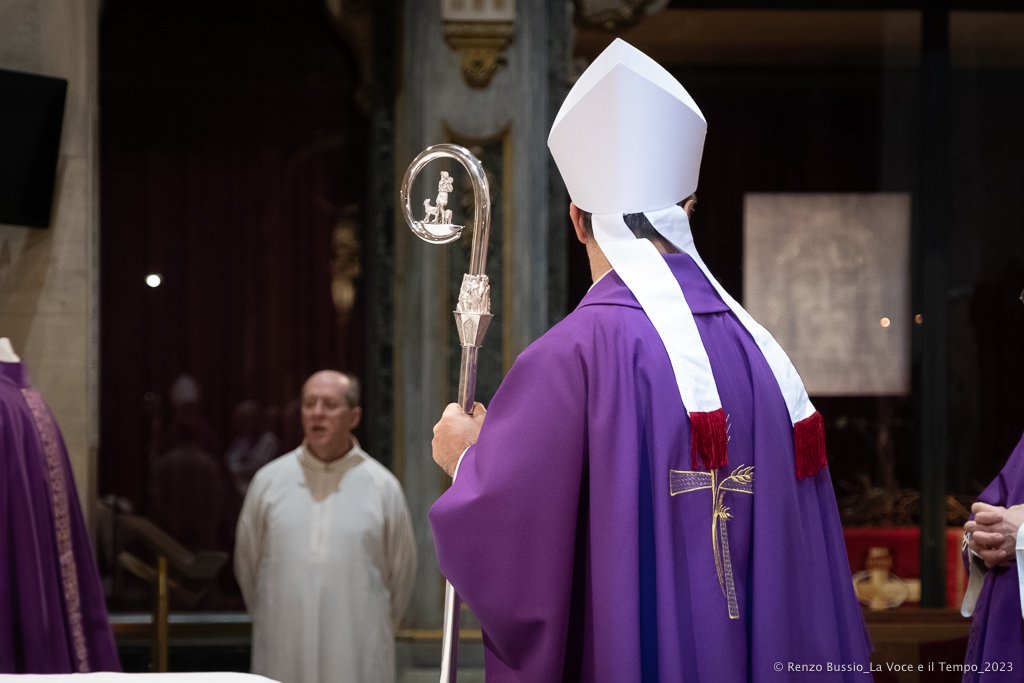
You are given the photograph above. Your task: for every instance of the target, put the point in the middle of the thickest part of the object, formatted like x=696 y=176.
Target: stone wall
x=49 y=278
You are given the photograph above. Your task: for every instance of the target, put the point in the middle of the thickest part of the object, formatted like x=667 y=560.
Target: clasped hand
x=993 y=533
x=454 y=433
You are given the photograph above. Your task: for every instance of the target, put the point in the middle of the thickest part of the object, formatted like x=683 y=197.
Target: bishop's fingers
x=988 y=518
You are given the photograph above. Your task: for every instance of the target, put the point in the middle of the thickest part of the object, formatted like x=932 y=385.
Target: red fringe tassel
x=709 y=439
x=809 y=445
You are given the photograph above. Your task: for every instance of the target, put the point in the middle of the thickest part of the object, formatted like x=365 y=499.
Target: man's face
x=327 y=418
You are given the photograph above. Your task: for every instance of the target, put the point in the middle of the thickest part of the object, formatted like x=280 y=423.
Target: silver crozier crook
x=472 y=312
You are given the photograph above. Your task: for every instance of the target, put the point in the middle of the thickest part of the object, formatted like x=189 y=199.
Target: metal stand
x=161 y=608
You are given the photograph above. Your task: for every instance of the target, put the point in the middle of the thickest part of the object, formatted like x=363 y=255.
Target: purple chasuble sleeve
x=53 y=616
x=520 y=510
x=589 y=549
x=997 y=628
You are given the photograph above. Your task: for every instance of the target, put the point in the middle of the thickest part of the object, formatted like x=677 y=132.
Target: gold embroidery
x=741 y=480
x=62 y=521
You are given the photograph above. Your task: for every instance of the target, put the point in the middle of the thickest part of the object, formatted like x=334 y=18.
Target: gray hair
x=352 y=394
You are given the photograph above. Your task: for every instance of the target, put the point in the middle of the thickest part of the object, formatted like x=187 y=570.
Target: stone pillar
x=49 y=279
x=507 y=122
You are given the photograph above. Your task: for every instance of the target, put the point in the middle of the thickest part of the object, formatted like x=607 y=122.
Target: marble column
x=507 y=123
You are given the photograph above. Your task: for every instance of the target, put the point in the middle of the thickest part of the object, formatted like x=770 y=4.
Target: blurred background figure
x=187 y=423
x=186 y=481
x=291 y=426
x=254 y=444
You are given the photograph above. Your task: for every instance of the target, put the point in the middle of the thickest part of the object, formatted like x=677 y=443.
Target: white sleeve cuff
x=456 y=472
x=1020 y=566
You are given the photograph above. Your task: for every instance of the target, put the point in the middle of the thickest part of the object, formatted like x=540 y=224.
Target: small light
x=919 y=319
x=885 y=322
x=153 y=280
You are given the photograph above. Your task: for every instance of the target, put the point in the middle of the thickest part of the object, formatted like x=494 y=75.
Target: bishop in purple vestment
x=996 y=643
x=53 y=617
x=647 y=499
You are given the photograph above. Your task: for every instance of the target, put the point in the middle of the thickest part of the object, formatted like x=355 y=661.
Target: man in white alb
x=324 y=554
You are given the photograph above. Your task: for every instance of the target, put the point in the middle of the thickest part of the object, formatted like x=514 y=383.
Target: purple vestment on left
x=53 y=616
x=591 y=550
x=997 y=628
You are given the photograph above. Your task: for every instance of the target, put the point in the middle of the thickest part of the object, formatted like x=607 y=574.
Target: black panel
x=31 y=115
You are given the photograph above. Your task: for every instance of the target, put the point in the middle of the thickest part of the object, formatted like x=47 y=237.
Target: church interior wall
x=49 y=277
x=251 y=195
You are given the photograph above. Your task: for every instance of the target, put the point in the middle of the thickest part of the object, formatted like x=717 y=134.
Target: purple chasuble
x=997 y=628
x=53 y=616
x=589 y=550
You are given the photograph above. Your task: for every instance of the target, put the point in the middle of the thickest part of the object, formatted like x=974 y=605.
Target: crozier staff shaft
x=472 y=312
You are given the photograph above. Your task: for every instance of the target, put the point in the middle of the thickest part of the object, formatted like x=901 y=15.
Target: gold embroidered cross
x=740 y=481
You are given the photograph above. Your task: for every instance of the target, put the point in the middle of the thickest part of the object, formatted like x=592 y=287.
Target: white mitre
x=629 y=139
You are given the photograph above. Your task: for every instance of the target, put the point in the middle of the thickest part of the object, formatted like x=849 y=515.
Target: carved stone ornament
x=612 y=15
x=480 y=31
